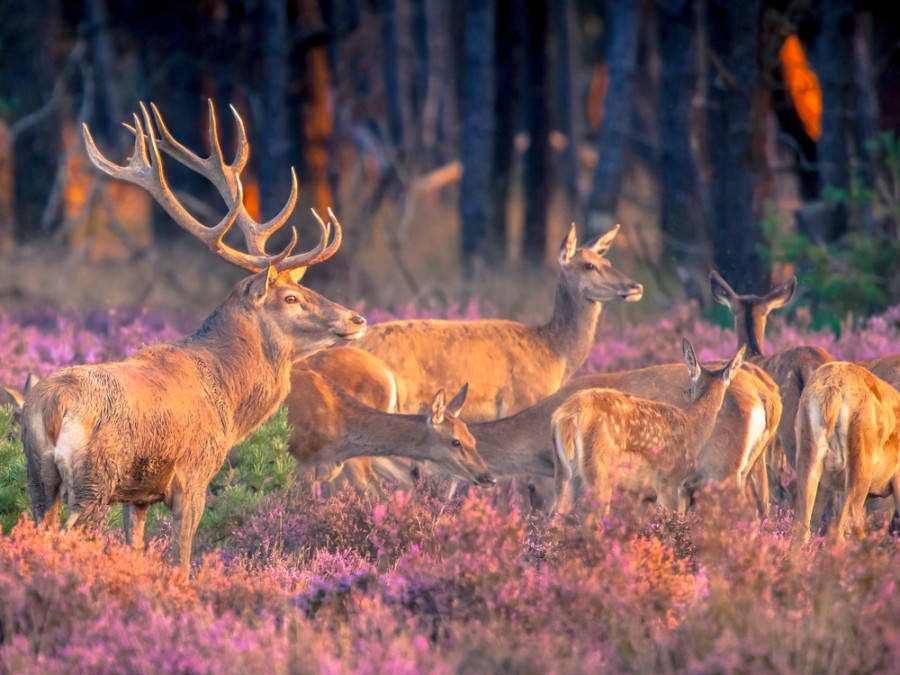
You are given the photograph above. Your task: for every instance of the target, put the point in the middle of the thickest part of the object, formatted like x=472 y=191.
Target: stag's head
x=304 y=317
x=452 y=444
x=586 y=270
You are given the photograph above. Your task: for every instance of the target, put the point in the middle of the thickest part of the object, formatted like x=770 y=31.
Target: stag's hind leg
x=187 y=500
x=134 y=516
x=44 y=479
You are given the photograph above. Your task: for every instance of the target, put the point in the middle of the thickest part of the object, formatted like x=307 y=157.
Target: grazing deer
x=848 y=440
x=157 y=426
x=607 y=437
x=734 y=452
x=508 y=365
x=331 y=427
x=790 y=368
x=368 y=380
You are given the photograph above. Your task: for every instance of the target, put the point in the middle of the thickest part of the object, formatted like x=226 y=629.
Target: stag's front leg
x=187 y=501
x=134 y=516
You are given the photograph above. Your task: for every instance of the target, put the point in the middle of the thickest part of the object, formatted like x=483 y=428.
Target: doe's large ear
x=780 y=295
x=603 y=242
x=569 y=245
x=722 y=292
x=734 y=365
x=438 y=407
x=690 y=359
x=456 y=403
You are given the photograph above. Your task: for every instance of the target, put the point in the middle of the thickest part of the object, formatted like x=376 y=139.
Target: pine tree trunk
x=273 y=127
x=622 y=42
x=476 y=206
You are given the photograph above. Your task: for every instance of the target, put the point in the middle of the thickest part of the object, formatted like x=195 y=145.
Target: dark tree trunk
x=391 y=69
x=538 y=167
x=108 y=109
x=274 y=156
x=508 y=38
x=733 y=145
x=476 y=206
x=621 y=56
x=28 y=74
x=563 y=21
x=685 y=232
x=418 y=25
x=834 y=65
x=866 y=127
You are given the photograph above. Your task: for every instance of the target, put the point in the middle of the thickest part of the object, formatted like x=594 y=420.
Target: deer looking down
x=508 y=365
x=157 y=426
x=609 y=438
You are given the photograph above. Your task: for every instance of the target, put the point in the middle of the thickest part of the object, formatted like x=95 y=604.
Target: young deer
x=331 y=427
x=791 y=368
x=848 y=440
x=157 y=426
x=607 y=437
x=368 y=380
x=508 y=365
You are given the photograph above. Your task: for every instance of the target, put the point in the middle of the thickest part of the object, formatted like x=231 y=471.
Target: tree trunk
x=273 y=127
x=734 y=157
x=475 y=206
x=622 y=43
x=508 y=38
x=29 y=75
x=391 y=68
x=563 y=21
x=685 y=232
x=538 y=168
x=834 y=65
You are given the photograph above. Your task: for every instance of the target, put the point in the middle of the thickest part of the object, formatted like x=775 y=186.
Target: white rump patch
x=72 y=440
x=755 y=431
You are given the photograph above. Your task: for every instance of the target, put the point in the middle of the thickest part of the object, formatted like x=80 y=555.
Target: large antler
x=145 y=170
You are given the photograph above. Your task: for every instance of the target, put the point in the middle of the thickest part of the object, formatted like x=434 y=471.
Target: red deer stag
x=848 y=440
x=331 y=427
x=508 y=365
x=157 y=426
x=609 y=438
x=790 y=368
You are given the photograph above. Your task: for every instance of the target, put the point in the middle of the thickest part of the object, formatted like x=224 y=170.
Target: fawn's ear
x=690 y=359
x=780 y=295
x=734 y=365
x=569 y=246
x=604 y=241
x=438 y=407
x=456 y=403
x=722 y=292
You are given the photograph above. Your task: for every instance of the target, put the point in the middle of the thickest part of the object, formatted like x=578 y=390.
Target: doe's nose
x=358 y=320
x=486 y=479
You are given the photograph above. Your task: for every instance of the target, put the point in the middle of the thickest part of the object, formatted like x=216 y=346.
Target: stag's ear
x=456 y=403
x=603 y=242
x=30 y=382
x=297 y=274
x=734 y=365
x=690 y=359
x=780 y=295
x=261 y=284
x=438 y=407
x=569 y=246
x=722 y=292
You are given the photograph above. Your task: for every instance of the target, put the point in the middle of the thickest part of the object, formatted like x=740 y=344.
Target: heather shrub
x=13 y=490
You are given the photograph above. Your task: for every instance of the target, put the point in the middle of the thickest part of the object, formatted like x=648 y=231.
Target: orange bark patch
x=802 y=85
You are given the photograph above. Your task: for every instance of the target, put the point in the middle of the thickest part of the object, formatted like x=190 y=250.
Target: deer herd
x=158 y=425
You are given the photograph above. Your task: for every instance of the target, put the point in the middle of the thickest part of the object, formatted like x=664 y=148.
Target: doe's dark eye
x=455 y=443
x=290 y=299
x=589 y=266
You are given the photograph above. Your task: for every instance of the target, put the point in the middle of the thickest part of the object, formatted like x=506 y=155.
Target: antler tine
x=320 y=252
x=243 y=148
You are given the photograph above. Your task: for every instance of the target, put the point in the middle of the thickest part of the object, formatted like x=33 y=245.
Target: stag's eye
x=589 y=266
x=290 y=299
x=455 y=443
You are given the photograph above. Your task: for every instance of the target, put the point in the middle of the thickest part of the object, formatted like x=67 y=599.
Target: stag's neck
x=373 y=433
x=246 y=365
x=571 y=330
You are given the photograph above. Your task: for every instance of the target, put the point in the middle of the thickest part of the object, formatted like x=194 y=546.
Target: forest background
x=457 y=140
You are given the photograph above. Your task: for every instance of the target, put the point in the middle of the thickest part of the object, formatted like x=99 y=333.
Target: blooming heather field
x=406 y=584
